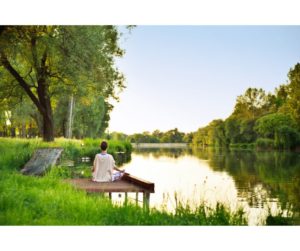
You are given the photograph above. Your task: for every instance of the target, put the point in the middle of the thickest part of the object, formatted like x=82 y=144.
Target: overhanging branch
x=21 y=81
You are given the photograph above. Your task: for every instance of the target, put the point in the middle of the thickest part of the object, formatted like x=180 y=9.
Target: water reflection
x=163 y=152
x=260 y=176
x=257 y=181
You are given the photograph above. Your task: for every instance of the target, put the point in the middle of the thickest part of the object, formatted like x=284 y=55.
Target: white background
x=119 y=12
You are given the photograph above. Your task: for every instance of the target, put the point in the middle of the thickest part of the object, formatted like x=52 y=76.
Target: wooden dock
x=128 y=184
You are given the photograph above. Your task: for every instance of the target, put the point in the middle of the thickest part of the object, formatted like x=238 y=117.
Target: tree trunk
x=23 y=130
x=13 y=132
x=48 y=124
x=48 y=127
x=42 y=102
x=70 y=118
x=46 y=109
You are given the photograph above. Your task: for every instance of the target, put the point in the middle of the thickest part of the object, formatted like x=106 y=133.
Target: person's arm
x=115 y=167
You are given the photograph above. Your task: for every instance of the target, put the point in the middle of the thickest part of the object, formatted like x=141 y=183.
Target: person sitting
x=104 y=168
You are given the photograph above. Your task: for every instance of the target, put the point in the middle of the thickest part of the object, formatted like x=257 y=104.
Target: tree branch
x=9 y=92
x=21 y=81
x=34 y=56
x=29 y=74
x=43 y=60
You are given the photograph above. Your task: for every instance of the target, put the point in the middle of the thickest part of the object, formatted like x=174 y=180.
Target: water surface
x=259 y=182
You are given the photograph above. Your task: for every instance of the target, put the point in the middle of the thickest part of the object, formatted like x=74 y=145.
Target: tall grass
x=49 y=200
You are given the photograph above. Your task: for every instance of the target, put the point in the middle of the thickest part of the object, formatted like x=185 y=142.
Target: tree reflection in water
x=262 y=179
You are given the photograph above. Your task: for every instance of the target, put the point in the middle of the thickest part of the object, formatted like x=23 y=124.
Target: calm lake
x=258 y=182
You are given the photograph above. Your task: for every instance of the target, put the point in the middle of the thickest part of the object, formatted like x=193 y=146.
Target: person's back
x=103 y=167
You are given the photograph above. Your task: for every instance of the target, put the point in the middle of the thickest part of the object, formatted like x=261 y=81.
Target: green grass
x=48 y=200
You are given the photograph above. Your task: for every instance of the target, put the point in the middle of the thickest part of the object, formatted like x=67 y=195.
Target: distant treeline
x=259 y=119
x=171 y=136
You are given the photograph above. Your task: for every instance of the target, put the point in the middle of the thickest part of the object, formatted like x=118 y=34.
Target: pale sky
x=186 y=76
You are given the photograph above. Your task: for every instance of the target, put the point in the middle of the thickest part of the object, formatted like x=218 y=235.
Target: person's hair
x=103 y=145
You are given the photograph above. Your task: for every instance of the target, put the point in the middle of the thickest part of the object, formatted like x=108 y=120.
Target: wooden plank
x=138 y=181
x=42 y=159
x=102 y=187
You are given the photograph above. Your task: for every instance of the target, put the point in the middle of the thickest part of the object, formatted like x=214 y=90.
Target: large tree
x=293 y=103
x=252 y=104
x=47 y=62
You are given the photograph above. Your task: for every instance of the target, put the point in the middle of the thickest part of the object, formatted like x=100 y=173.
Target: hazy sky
x=186 y=76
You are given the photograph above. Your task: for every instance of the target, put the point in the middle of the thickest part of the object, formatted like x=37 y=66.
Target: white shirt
x=104 y=164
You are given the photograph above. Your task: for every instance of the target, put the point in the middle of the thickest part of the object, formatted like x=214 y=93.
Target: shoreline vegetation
x=47 y=200
x=237 y=146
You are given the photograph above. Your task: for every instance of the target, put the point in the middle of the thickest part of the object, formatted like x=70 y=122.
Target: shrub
x=265 y=143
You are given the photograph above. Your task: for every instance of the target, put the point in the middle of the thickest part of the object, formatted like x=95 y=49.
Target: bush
x=264 y=143
x=279 y=220
x=242 y=146
x=286 y=137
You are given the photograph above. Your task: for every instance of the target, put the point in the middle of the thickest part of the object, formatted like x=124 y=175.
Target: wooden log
x=42 y=159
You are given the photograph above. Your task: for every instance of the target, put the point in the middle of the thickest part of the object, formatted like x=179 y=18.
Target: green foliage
x=279 y=99
x=286 y=137
x=188 y=137
x=246 y=146
x=268 y=125
x=89 y=117
x=248 y=134
x=201 y=137
x=278 y=220
x=171 y=136
x=267 y=120
x=265 y=143
x=51 y=63
x=232 y=130
x=252 y=104
x=117 y=136
x=121 y=150
x=293 y=104
x=280 y=128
